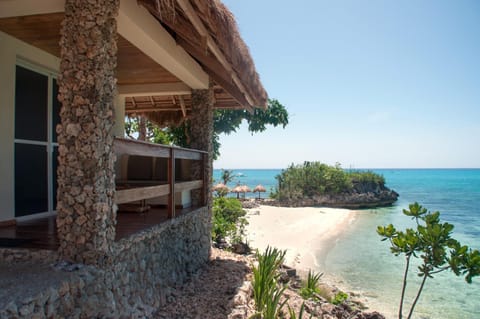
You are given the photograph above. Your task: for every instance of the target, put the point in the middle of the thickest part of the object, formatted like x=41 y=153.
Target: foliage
x=339 y=298
x=224 y=122
x=315 y=178
x=432 y=243
x=138 y=127
x=229 y=121
x=293 y=315
x=310 y=286
x=228 y=220
x=227 y=176
x=266 y=289
x=366 y=177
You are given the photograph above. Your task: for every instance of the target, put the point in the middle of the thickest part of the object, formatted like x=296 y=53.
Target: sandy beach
x=306 y=233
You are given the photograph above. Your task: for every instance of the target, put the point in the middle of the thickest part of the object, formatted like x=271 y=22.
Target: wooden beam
x=188 y=186
x=135 y=194
x=150 y=109
x=198 y=25
x=141 y=29
x=182 y=106
x=18 y=8
x=188 y=154
x=134 y=147
x=155 y=89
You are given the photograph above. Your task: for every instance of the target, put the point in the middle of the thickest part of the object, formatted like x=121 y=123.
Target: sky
x=367 y=83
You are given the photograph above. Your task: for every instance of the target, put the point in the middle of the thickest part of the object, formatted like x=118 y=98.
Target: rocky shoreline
x=223 y=289
x=362 y=195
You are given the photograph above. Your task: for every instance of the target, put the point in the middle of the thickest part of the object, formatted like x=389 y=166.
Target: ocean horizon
x=359 y=261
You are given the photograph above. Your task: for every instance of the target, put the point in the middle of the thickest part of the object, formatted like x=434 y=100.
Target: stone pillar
x=87 y=88
x=201 y=138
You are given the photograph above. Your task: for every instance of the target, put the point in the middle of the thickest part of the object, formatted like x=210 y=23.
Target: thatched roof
x=215 y=43
x=220 y=187
x=259 y=188
x=205 y=29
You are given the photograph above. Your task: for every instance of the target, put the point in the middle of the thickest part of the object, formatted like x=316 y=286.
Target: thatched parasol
x=259 y=188
x=238 y=189
x=221 y=189
x=246 y=189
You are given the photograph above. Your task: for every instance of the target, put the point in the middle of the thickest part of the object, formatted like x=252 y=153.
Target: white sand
x=307 y=233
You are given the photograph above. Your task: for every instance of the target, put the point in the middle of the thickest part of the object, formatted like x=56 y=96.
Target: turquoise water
x=361 y=262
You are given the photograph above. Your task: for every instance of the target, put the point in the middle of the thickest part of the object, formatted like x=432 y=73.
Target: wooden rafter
x=182 y=106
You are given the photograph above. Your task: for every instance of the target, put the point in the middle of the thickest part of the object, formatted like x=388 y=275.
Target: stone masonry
x=201 y=138
x=87 y=86
x=146 y=266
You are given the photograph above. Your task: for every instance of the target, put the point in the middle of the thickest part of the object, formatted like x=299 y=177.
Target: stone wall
x=87 y=88
x=201 y=138
x=145 y=267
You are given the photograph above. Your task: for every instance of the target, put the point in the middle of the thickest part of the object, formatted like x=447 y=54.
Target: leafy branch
x=430 y=241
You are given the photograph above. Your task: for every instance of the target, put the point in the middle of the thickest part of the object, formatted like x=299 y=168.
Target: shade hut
x=259 y=188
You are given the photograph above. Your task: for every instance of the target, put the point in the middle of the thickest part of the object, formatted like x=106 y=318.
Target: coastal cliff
x=317 y=184
x=362 y=195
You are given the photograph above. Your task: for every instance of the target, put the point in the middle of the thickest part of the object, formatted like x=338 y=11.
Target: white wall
x=7 y=99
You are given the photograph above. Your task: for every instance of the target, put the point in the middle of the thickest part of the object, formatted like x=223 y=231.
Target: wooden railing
x=143 y=190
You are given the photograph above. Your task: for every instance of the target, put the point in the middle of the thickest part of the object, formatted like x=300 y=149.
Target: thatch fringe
x=223 y=23
x=165 y=118
x=223 y=29
x=165 y=8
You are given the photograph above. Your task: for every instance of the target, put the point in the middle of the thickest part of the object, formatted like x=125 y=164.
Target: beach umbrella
x=259 y=188
x=220 y=188
x=245 y=189
x=237 y=189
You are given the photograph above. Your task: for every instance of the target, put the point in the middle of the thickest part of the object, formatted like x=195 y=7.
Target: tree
x=227 y=176
x=431 y=241
x=139 y=127
x=225 y=122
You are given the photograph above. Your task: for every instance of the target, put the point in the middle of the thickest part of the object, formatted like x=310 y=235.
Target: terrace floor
x=41 y=233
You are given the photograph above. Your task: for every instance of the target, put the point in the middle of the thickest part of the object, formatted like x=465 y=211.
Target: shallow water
x=359 y=261
x=365 y=263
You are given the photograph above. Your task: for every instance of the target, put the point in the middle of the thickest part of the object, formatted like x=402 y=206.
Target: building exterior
x=70 y=72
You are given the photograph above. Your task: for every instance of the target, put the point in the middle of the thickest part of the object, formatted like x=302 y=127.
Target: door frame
x=49 y=144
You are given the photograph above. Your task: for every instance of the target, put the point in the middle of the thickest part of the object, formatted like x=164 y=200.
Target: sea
x=360 y=262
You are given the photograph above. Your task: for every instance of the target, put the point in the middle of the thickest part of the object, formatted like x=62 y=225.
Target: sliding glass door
x=36 y=115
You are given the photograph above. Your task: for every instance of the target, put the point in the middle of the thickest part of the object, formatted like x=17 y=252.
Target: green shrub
x=293 y=315
x=228 y=219
x=266 y=290
x=315 y=178
x=339 y=298
x=366 y=177
x=310 y=286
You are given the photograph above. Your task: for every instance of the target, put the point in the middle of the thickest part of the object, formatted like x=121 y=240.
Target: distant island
x=318 y=184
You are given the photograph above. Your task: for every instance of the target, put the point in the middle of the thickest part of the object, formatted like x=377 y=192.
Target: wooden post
x=171 y=183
